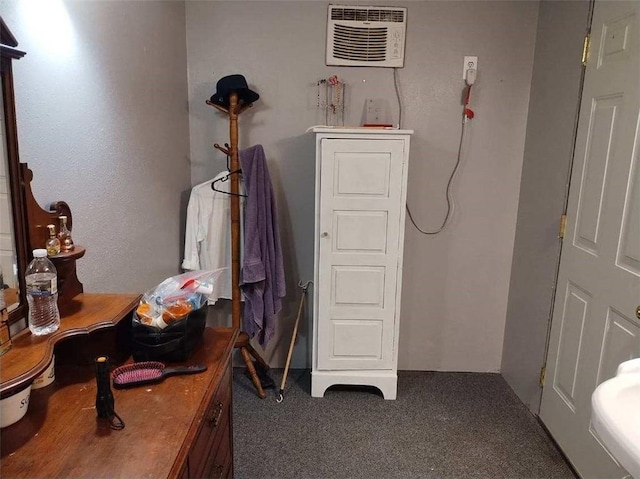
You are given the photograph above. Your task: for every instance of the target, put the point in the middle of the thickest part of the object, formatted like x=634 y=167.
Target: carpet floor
x=442 y=425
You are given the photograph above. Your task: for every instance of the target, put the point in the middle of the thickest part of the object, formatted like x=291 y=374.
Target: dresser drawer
x=219 y=465
x=212 y=444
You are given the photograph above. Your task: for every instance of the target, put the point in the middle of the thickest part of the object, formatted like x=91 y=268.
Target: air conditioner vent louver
x=366 y=36
x=363 y=44
x=367 y=15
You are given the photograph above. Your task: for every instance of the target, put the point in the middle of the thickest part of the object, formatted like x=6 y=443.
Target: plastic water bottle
x=42 y=294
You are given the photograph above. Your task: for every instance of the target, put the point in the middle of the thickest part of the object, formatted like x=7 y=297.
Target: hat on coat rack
x=233 y=83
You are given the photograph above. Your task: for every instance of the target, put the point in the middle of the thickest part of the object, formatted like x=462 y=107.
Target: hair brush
x=148 y=372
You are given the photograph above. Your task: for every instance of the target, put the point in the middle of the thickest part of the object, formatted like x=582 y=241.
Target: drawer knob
x=324 y=235
x=216 y=414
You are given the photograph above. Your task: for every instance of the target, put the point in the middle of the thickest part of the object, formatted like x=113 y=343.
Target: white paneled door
x=594 y=325
x=361 y=189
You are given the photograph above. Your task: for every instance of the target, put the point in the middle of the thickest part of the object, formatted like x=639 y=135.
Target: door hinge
x=543 y=372
x=563 y=226
x=585 y=48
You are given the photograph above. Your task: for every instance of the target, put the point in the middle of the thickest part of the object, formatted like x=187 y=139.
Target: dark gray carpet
x=443 y=425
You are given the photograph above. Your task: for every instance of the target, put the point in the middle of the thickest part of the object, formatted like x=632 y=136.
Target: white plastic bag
x=175 y=298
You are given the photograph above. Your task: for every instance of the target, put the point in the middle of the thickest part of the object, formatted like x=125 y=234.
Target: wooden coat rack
x=242 y=343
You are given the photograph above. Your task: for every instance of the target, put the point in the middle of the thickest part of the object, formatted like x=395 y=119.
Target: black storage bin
x=175 y=343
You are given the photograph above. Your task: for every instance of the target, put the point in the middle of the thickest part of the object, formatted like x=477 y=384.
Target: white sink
x=615 y=415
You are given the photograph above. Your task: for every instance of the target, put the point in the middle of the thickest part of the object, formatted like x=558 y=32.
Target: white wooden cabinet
x=361 y=188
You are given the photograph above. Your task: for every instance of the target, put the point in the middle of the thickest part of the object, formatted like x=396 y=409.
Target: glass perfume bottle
x=53 y=243
x=66 y=243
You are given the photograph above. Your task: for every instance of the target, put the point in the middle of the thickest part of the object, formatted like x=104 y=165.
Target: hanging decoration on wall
x=330 y=98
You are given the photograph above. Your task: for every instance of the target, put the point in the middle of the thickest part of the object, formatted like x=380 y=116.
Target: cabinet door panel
x=359 y=228
x=360 y=231
x=358 y=286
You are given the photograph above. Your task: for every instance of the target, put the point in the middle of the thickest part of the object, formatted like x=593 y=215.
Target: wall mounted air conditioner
x=360 y=36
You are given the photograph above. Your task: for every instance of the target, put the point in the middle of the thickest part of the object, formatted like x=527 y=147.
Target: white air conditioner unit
x=360 y=36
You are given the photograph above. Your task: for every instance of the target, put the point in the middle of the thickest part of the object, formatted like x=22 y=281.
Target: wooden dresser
x=178 y=428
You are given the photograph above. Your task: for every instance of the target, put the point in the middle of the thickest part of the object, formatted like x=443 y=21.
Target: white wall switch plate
x=469 y=62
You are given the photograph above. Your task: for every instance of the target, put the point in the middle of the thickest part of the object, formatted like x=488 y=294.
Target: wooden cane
x=304 y=287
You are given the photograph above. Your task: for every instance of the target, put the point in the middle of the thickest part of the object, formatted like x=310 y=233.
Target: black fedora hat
x=233 y=83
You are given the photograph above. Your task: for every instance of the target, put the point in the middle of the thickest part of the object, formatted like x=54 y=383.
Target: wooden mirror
x=13 y=239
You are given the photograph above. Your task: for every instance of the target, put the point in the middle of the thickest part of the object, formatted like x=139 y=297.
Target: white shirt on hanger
x=207 y=244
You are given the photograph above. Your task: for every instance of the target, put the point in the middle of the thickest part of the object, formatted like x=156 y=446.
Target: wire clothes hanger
x=228 y=175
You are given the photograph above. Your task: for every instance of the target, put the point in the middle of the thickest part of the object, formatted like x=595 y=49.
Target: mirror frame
x=8 y=53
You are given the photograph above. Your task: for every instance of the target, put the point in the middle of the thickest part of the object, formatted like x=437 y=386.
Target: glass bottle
x=53 y=243
x=42 y=294
x=66 y=243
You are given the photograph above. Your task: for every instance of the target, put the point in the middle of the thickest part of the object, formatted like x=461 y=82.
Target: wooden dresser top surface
x=60 y=436
x=30 y=355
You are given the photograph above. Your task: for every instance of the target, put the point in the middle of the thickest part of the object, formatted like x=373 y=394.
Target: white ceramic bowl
x=47 y=377
x=13 y=408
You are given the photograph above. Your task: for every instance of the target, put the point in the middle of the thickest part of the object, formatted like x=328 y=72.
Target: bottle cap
x=39 y=253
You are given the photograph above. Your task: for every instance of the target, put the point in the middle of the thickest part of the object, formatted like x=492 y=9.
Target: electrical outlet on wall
x=469 y=63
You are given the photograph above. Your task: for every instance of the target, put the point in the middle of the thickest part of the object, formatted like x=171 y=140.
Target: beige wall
x=455 y=284
x=102 y=122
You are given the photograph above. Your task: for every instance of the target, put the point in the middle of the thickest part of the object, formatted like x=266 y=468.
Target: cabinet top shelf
x=362 y=130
